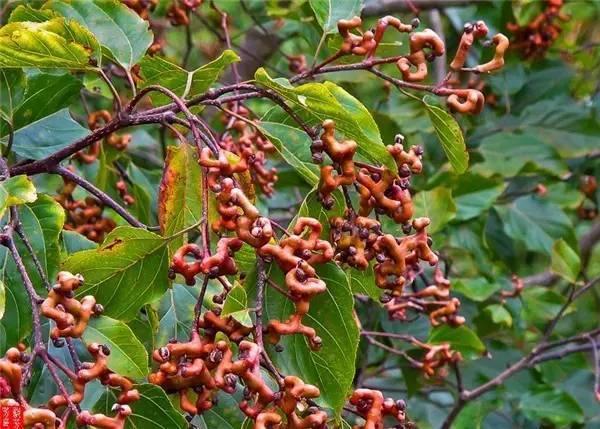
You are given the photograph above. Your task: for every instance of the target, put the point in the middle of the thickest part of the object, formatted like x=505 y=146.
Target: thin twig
x=59 y=383
x=596 y=356
x=189 y=45
x=106 y=199
x=200 y=302
x=413 y=362
x=543 y=352
x=33 y=255
x=11 y=138
x=113 y=90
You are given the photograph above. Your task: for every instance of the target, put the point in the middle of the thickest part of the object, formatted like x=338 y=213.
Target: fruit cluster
x=425 y=46
x=71 y=318
x=179 y=11
x=297 y=256
x=434 y=300
x=84 y=216
x=70 y=315
x=245 y=141
x=198 y=369
x=118 y=141
x=588 y=209
x=204 y=365
x=374 y=408
x=141 y=7
x=535 y=38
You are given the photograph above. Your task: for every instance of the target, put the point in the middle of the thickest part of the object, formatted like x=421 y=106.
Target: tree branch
x=542 y=352
x=44 y=165
x=381 y=7
x=99 y=194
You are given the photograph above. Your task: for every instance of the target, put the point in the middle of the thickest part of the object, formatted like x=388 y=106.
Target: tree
x=251 y=214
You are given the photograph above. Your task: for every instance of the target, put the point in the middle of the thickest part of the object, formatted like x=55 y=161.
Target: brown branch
x=381 y=7
x=403 y=337
x=119 y=122
x=402 y=353
x=542 y=352
x=596 y=356
x=106 y=199
x=36 y=261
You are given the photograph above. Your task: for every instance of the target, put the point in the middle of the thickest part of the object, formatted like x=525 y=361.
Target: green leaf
x=158 y=71
x=28 y=13
x=559 y=370
x=121 y=32
x=143 y=192
x=225 y=414
x=45 y=94
x=507 y=154
x=74 y=242
x=180 y=192
x=499 y=315
x=316 y=102
x=245 y=259
x=329 y=12
x=474 y=194
x=236 y=305
x=331 y=369
x=15 y=191
x=127 y=271
x=451 y=138
x=436 y=204
x=96 y=85
x=564 y=124
x=12 y=91
x=363 y=282
x=153 y=410
x=294 y=147
x=20 y=190
x=42 y=222
x=551 y=405
x=472 y=415
x=44 y=137
x=564 y=195
x=2 y=299
x=128 y=357
x=460 y=338
x=526 y=11
x=312 y=207
x=56 y=43
x=541 y=304
x=176 y=313
x=144 y=329
x=535 y=223
x=476 y=289
x=72 y=30
x=565 y=261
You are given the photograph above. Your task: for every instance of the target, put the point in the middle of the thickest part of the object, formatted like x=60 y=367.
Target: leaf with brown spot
x=180 y=192
x=129 y=270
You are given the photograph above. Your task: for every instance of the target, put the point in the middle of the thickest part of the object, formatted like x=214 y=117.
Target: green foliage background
x=489 y=219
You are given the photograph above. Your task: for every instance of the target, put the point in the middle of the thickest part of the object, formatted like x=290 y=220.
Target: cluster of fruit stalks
x=70 y=316
x=198 y=369
x=86 y=216
x=532 y=39
x=222 y=353
x=536 y=37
